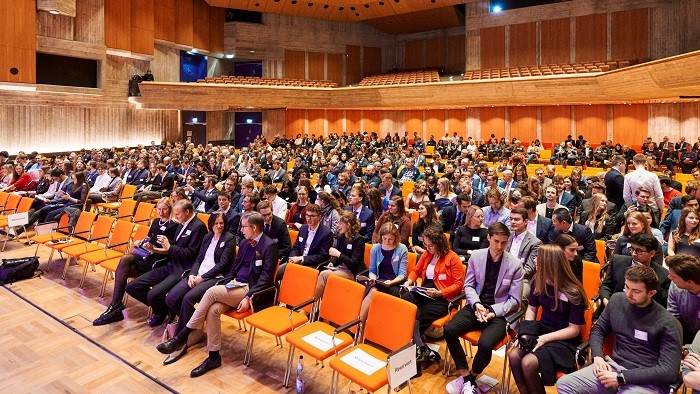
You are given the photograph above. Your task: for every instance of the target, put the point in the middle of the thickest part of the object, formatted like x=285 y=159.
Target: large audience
x=494 y=225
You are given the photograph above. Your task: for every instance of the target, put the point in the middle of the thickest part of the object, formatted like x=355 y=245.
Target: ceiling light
x=55 y=12
x=230 y=56
x=496 y=8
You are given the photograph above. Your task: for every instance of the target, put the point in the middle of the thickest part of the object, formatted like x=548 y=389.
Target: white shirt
x=642 y=177
x=208 y=263
x=532 y=225
x=279 y=208
x=309 y=240
x=430 y=270
x=101 y=181
x=184 y=226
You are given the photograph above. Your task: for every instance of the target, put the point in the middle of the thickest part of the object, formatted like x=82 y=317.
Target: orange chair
x=368 y=250
x=96 y=241
x=126 y=209
x=3 y=198
x=127 y=193
x=110 y=265
x=297 y=290
x=64 y=235
x=11 y=204
x=591 y=278
x=340 y=305
x=601 y=250
x=25 y=204
x=204 y=217
x=116 y=247
x=143 y=213
x=389 y=325
x=293 y=234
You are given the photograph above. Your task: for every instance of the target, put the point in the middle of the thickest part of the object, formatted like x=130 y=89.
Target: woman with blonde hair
x=636 y=223
x=598 y=219
x=396 y=215
x=445 y=196
x=472 y=235
x=416 y=198
x=685 y=238
x=549 y=344
x=535 y=188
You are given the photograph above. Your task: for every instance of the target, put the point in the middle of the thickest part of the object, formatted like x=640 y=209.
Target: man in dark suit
x=313 y=242
x=223 y=204
x=275 y=228
x=204 y=199
x=387 y=187
x=161 y=183
x=252 y=272
x=615 y=181
x=537 y=224
x=563 y=224
x=151 y=287
x=643 y=248
x=278 y=174
x=438 y=166
x=454 y=216
x=364 y=215
x=642 y=199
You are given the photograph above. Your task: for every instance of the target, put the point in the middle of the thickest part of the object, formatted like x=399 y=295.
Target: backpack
x=12 y=270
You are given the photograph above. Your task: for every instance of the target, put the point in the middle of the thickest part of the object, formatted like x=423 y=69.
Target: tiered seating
x=551 y=69
x=269 y=82
x=400 y=78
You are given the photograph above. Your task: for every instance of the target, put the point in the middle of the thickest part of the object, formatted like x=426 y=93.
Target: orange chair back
x=390 y=321
x=204 y=217
x=3 y=198
x=128 y=191
x=586 y=328
x=126 y=208
x=298 y=285
x=293 y=234
x=12 y=203
x=84 y=224
x=25 y=204
x=414 y=217
x=140 y=232
x=600 y=250
x=103 y=227
x=368 y=250
x=121 y=234
x=411 y=264
x=591 y=278
x=143 y=213
x=341 y=300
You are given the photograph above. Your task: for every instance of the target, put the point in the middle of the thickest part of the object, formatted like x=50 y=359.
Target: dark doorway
x=248 y=126
x=194 y=127
x=248 y=69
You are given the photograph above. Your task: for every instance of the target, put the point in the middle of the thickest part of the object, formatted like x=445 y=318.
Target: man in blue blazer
x=493 y=288
x=563 y=224
x=362 y=212
x=205 y=198
x=312 y=244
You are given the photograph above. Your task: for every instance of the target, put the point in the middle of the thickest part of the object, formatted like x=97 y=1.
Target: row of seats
x=552 y=69
x=400 y=78
x=269 y=81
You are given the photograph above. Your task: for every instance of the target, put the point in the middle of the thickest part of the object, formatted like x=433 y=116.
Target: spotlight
x=496 y=8
x=249 y=121
x=194 y=120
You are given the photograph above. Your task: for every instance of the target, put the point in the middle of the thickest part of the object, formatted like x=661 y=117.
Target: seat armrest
x=303 y=304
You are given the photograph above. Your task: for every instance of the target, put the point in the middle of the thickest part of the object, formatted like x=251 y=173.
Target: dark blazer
x=259 y=276
x=395 y=191
x=544 y=227
x=569 y=201
x=224 y=254
x=208 y=196
x=614 y=187
x=280 y=233
x=185 y=249
x=615 y=279
x=366 y=222
x=608 y=227
x=161 y=183
x=448 y=217
x=231 y=220
x=318 y=250
x=352 y=254
x=584 y=238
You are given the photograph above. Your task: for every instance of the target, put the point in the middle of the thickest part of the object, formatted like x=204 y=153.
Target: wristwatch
x=620 y=379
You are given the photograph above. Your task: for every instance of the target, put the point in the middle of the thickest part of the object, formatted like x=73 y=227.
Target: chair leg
x=288 y=370
x=48 y=264
x=85 y=269
x=65 y=267
x=104 y=284
x=245 y=328
x=249 y=347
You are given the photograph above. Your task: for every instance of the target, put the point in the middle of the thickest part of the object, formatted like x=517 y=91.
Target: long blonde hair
x=594 y=213
x=554 y=269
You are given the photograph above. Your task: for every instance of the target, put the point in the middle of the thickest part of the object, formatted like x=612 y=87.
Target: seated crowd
x=485 y=237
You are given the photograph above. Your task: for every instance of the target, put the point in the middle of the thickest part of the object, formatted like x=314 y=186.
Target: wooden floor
x=40 y=354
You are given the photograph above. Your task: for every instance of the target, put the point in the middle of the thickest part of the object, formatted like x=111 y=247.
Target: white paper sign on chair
x=17 y=219
x=402 y=365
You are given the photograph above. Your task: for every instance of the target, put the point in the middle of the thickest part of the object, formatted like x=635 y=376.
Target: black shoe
x=432 y=356
x=421 y=353
x=113 y=314
x=156 y=320
x=172 y=345
x=206 y=366
x=175 y=356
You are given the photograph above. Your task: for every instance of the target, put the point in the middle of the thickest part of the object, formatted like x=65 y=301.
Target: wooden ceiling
x=418 y=21
x=661 y=80
x=340 y=10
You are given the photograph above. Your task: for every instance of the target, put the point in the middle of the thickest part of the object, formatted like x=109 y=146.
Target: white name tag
x=258 y=263
x=221 y=245
x=563 y=297
x=274 y=239
x=476 y=239
x=580 y=247
x=442 y=277
x=363 y=224
x=506 y=282
x=301 y=239
x=642 y=335
x=162 y=228
x=349 y=247
x=188 y=232
x=628 y=245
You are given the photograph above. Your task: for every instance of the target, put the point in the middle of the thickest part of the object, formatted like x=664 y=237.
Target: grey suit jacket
x=527 y=253
x=508 y=289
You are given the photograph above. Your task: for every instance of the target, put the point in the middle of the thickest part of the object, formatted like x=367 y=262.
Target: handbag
x=528 y=334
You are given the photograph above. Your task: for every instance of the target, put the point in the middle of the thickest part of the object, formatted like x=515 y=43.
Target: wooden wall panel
x=184 y=22
x=336 y=119
x=353 y=70
x=456 y=122
x=392 y=122
x=592 y=123
x=18 y=41
x=630 y=32
x=164 y=20
x=591 y=37
x=435 y=52
x=523 y=45
x=493 y=47
x=200 y=30
x=689 y=124
x=413 y=54
x=353 y=121
x=371 y=120
x=371 y=61
x=555 y=41
x=317 y=65
x=630 y=124
x=90 y=22
x=295 y=122
x=142 y=26
x=294 y=64
x=414 y=122
x=456 y=56
x=118 y=24
x=317 y=121
x=217 y=16
x=556 y=123
x=55 y=26
x=523 y=123
x=335 y=67
x=434 y=124
x=493 y=121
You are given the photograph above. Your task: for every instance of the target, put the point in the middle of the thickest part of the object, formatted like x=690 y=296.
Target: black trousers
x=429 y=310
x=492 y=332
x=181 y=299
x=129 y=267
x=151 y=288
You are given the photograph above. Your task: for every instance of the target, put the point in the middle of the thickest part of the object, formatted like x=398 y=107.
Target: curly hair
x=439 y=240
x=353 y=224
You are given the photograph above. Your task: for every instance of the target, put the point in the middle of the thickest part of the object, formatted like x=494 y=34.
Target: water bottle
x=301 y=382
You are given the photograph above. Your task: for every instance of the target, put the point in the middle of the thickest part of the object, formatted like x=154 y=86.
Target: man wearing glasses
x=275 y=228
x=312 y=244
x=643 y=247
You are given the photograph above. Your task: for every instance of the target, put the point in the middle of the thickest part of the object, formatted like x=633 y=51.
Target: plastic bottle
x=301 y=382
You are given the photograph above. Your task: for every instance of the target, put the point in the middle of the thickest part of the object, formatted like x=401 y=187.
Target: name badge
x=188 y=232
x=349 y=247
x=141 y=179
x=301 y=239
x=580 y=247
x=274 y=239
x=363 y=224
x=563 y=297
x=628 y=245
x=442 y=277
x=641 y=335
x=258 y=263
x=506 y=282
x=221 y=245
x=476 y=239
x=162 y=228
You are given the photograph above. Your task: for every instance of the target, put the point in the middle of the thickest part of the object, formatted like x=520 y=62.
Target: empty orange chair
x=116 y=247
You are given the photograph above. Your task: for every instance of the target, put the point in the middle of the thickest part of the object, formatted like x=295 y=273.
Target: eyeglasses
x=637 y=251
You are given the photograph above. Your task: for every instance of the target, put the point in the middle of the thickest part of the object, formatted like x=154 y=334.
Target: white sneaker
x=469 y=388
x=455 y=386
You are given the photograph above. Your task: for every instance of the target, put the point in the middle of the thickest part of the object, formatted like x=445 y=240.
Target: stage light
x=249 y=121
x=496 y=8
x=194 y=120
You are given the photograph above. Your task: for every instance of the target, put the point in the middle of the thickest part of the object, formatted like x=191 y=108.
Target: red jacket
x=449 y=273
